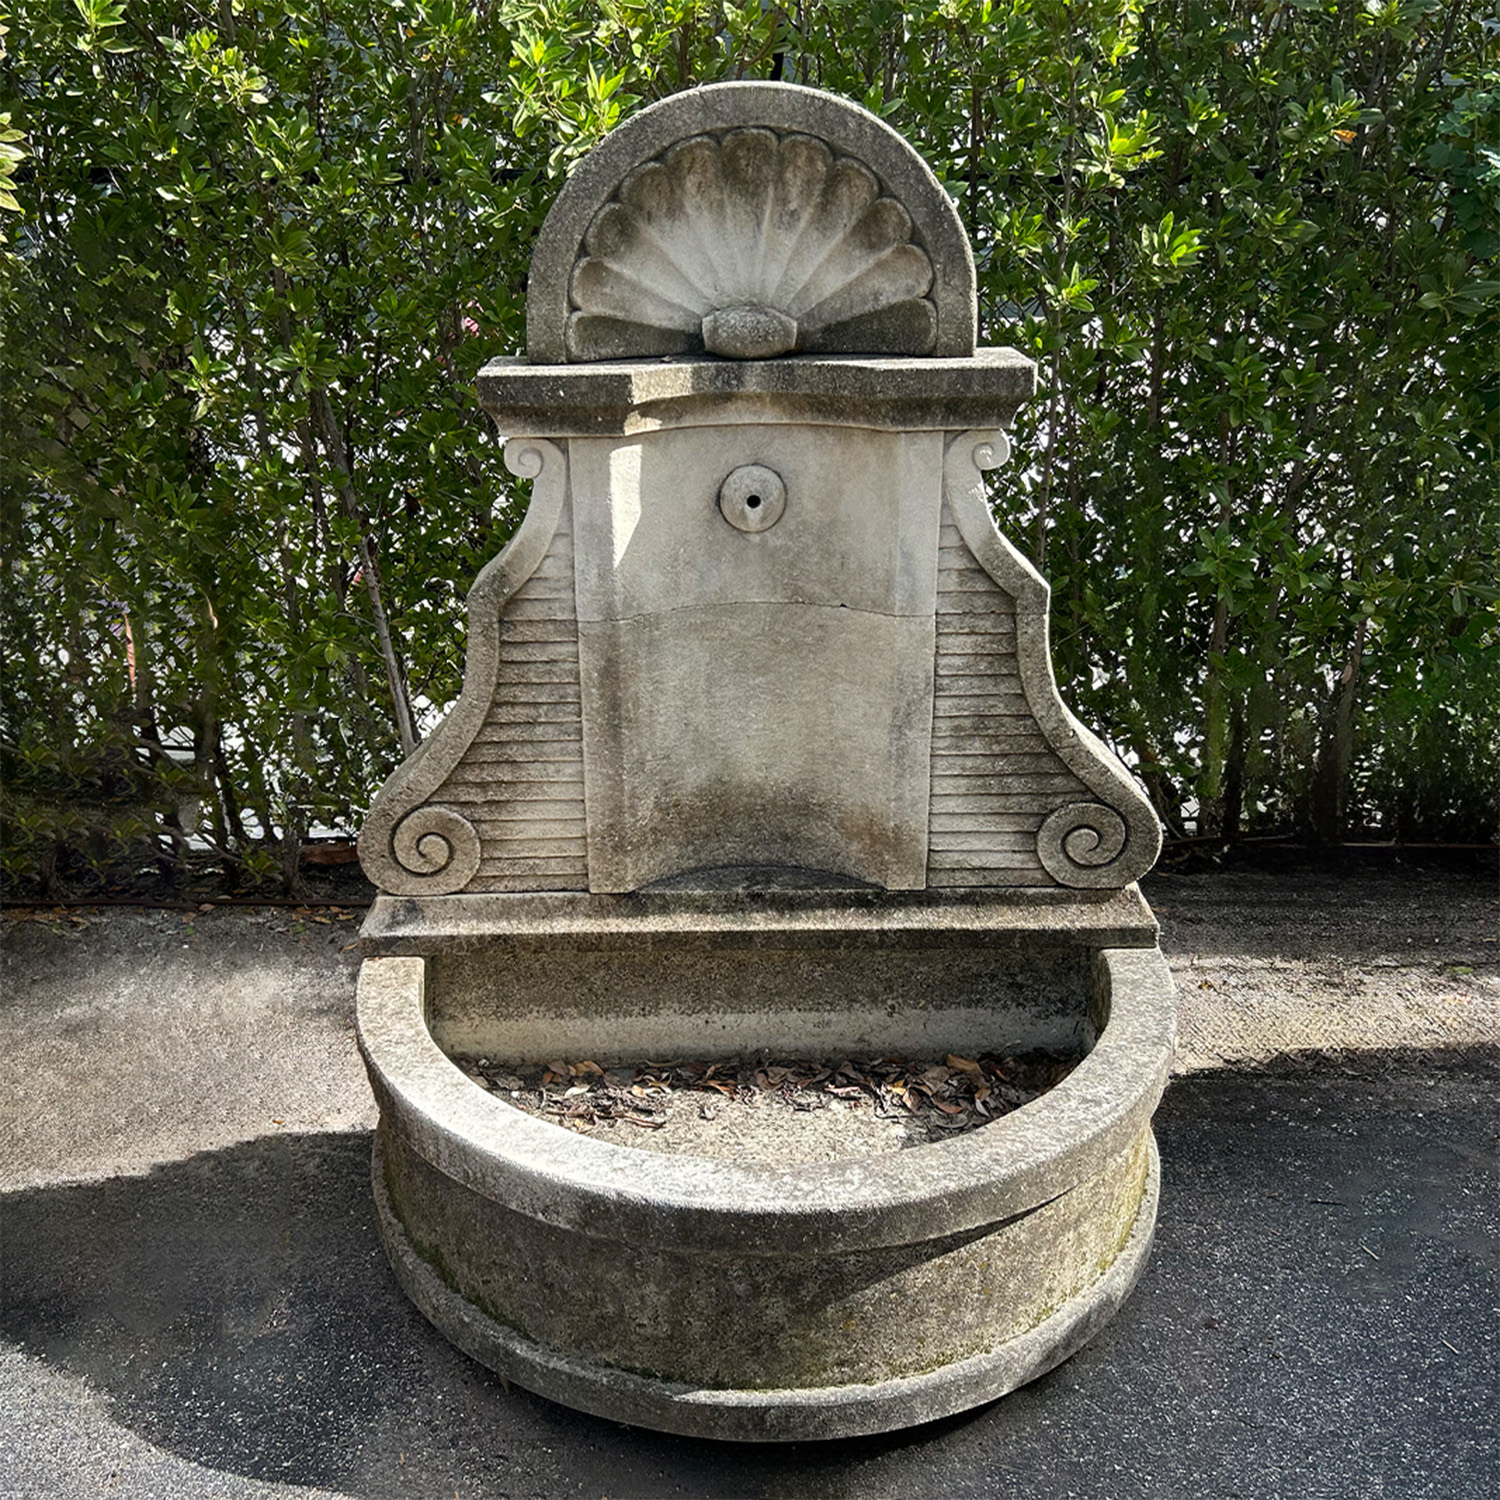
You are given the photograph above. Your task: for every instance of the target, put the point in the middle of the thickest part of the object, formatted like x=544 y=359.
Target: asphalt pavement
x=194 y=1303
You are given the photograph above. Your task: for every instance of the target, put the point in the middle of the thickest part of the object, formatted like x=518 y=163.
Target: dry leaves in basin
x=946 y=1095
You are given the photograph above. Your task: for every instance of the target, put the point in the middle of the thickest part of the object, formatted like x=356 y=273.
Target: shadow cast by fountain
x=234 y=1310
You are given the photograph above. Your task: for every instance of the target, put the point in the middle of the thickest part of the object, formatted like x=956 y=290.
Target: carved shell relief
x=750 y=244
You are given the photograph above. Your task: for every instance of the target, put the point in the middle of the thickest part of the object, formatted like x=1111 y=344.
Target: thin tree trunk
x=292 y=834
x=1049 y=464
x=976 y=150
x=1331 y=788
x=333 y=445
x=1055 y=312
x=233 y=820
x=168 y=865
x=1216 y=714
x=1234 y=773
x=1158 y=373
x=1166 y=796
x=1216 y=726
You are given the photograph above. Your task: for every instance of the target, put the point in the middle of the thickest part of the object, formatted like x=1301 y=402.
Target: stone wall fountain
x=759 y=751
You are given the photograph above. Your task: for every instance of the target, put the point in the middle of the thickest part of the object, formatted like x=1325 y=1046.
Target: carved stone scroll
x=1035 y=797
x=494 y=800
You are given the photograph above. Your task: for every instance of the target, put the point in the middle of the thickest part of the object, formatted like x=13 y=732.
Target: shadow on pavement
x=1317 y=1320
x=1342 y=909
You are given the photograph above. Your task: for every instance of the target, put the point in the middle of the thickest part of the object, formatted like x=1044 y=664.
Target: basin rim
x=1008 y=1167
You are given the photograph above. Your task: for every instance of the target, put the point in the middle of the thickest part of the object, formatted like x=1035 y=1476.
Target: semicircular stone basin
x=743 y=1299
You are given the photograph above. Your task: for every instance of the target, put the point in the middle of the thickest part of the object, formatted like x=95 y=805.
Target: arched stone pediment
x=751 y=220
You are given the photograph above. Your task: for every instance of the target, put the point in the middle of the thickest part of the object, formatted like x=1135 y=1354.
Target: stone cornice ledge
x=429 y=925
x=623 y=397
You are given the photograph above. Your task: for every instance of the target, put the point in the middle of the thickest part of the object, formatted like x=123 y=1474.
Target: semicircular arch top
x=751 y=220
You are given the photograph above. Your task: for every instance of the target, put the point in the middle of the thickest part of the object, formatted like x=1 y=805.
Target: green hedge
x=256 y=254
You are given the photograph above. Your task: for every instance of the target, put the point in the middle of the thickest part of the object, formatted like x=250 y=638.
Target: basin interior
x=521 y=1004
x=530 y=1001
x=775 y=1111
x=721 y=977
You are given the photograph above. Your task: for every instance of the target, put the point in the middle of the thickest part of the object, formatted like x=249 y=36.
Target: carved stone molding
x=436 y=844
x=750 y=245
x=1098 y=841
x=751 y=220
x=412 y=844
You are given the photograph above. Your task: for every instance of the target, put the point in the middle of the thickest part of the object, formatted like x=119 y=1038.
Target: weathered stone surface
x=751 y=194
x=765 y=240
x=743 y=908
x=749 y=331
x=863 y=687
x=530 y=1002
x=495 y=799
x=801 y=1346
x=760 y=750
x=716 y=660
x=752 y=498
x=624 y=397
x=575 y=1182
x=760 y=1414
x=556 y=1251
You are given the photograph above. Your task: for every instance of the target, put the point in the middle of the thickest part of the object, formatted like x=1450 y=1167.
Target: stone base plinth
x=791 y=1413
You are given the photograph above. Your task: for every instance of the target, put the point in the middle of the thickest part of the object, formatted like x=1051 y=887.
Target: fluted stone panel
x=520 y=782
x=994 y=776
